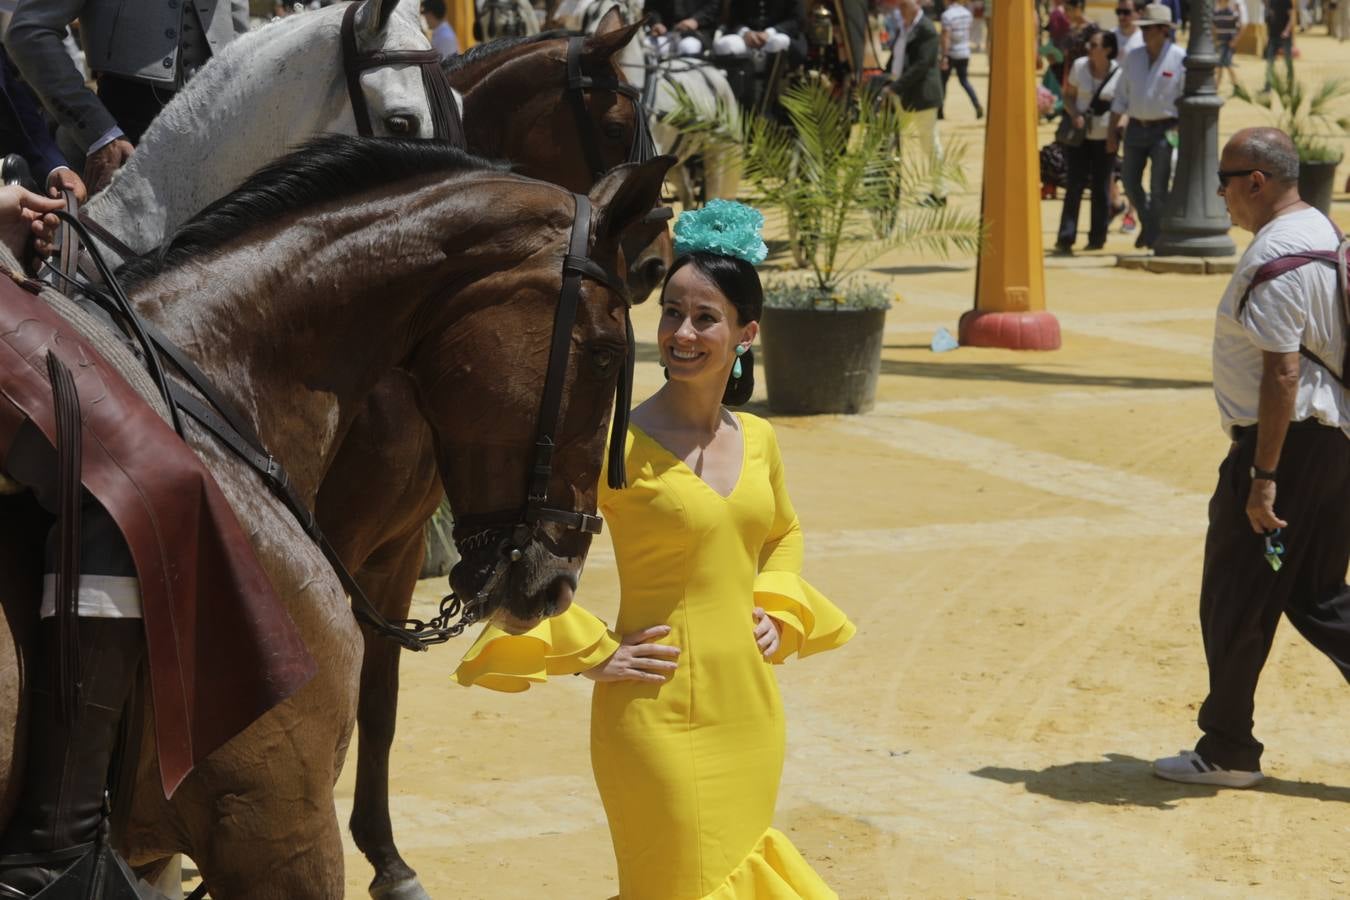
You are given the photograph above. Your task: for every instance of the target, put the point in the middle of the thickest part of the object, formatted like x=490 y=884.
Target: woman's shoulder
x=757 y=430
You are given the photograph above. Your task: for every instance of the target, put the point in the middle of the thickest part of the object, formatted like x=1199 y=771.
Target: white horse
x=661 y=81
x=260 y=97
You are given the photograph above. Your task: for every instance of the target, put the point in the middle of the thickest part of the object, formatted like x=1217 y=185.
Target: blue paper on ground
x=943 y=341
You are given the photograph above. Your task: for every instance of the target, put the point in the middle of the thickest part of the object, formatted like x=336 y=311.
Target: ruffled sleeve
x=811 y=622
x=563 y=645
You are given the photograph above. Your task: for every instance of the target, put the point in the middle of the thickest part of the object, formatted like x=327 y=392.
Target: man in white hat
x=1151 y=81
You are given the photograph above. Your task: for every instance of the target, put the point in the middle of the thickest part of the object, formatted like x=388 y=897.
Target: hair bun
x=723 y=227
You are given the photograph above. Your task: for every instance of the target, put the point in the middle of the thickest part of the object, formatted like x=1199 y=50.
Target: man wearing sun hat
x=1151 y=81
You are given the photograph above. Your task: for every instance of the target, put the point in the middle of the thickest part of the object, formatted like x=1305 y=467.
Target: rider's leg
x=66 y=769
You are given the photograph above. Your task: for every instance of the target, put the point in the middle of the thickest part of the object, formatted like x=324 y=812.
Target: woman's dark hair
x=1110 y=44
x=739 y=283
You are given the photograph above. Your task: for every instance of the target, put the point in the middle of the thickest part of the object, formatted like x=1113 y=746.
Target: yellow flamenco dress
x=688 y=770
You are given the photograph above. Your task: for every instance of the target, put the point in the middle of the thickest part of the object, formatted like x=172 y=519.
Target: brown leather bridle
x=445 y=118
x=643 y=147
x=513 y=530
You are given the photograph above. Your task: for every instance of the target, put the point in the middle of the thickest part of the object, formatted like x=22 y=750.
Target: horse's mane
x=322 y=170
x=501 y=45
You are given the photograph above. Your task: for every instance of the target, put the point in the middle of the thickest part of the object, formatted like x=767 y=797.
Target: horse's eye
x=601 y=359
x=402 y=125
x=613 y=130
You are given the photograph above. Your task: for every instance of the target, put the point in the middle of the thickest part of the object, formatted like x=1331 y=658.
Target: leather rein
x=643 y=147
x=445 y=117
x=512 y=530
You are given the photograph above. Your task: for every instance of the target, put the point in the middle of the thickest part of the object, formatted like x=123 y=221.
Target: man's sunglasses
x=1225 y=174
x=1123 y=11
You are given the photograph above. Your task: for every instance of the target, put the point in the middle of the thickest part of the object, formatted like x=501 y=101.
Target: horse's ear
x=610 y=21
x=371 y=20
x=626 y=197
x=608 y=41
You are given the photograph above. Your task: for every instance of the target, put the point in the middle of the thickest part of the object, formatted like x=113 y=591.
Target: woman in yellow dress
x=687 y=733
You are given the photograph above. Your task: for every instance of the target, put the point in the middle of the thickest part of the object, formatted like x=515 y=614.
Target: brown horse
x=372 y=255
x=383 y=486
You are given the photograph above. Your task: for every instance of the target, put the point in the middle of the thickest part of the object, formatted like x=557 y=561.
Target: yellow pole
x=1010 y=284
x=460 y=14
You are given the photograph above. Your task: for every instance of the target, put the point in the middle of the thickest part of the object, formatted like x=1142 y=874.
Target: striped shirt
x=956 y=24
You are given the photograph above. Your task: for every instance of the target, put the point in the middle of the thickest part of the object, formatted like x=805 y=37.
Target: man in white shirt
x=1279 y=370
x=1129 y=36
x=1150 y=83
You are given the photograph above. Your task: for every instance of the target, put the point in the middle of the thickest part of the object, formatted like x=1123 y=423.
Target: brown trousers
x=1241 y=597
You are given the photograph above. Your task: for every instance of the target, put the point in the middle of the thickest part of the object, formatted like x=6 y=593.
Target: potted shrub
x=848 y=194
x=1308 y=116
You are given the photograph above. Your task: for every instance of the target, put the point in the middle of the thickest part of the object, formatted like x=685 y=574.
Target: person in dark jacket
x=24 y=133
x=913 y=76
x=682 y=27
x=773 y=26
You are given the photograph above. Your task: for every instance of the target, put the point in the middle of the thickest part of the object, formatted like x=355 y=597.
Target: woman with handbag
x=1087 y=102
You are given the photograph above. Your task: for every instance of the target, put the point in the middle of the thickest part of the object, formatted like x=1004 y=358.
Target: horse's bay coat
x=222 y=649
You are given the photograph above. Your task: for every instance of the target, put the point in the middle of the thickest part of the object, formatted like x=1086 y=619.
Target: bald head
x=1268 y=149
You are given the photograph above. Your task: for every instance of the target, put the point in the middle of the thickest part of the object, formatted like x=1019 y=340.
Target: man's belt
x=1241 y=431
x=1149 y=123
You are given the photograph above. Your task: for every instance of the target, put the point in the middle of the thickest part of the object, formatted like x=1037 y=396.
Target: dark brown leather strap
x=68 y=260
x=70 y=490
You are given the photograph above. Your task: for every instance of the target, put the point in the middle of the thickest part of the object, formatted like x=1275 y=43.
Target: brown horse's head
x=518 y=106
x=481 y=382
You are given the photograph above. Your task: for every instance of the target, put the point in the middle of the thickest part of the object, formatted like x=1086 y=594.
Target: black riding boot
x=66 y=768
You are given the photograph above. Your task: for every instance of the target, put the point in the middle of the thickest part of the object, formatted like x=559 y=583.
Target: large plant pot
x=1316 y=181
x=822 y=360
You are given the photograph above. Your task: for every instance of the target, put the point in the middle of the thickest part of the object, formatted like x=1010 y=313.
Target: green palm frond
x=848 y=176
x=1306 y=114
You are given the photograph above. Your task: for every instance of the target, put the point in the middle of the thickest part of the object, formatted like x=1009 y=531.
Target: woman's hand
x=638 y=660
x=766 y=633
x=1079 y=122
x=689 y=24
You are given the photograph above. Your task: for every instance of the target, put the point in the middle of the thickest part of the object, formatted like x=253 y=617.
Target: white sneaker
x=1190 y=767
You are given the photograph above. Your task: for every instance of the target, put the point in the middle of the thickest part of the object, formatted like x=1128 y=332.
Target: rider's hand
x=638 y=660
x=1079 y=122
x=20 y=210
x=658 y=29
x=689 y=24
x=64 y=179
x=766 y=633
x=756 y=39
x=100 y=165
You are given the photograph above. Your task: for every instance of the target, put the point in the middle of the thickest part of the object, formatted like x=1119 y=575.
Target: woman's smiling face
x=698 y=333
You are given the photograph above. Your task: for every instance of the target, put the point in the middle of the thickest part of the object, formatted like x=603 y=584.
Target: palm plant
x=841 y=174
x=1306 y=114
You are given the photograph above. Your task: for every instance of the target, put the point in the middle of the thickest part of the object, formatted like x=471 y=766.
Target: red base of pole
x=1010 y=330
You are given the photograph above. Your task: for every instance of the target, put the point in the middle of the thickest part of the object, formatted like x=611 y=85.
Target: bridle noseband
x=514 y=529
x=643 y=148
x=445 y=118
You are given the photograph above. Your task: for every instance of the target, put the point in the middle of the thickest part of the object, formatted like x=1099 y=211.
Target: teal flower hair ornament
x=724 y=227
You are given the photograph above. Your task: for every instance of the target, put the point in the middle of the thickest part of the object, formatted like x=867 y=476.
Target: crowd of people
x=1116 y=90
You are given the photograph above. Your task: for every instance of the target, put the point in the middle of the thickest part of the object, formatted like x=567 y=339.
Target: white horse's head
x=262 y=96
x=395 y=95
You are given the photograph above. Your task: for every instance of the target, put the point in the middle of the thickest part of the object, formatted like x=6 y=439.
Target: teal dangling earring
x=736 y=366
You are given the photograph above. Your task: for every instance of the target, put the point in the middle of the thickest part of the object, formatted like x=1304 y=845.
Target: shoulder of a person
x=757 y=428
x=1304 y=230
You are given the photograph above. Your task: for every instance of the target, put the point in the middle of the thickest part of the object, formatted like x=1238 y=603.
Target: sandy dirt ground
x=1018 y=537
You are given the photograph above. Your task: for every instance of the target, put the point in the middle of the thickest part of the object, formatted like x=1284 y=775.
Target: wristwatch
x=1263 y=474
